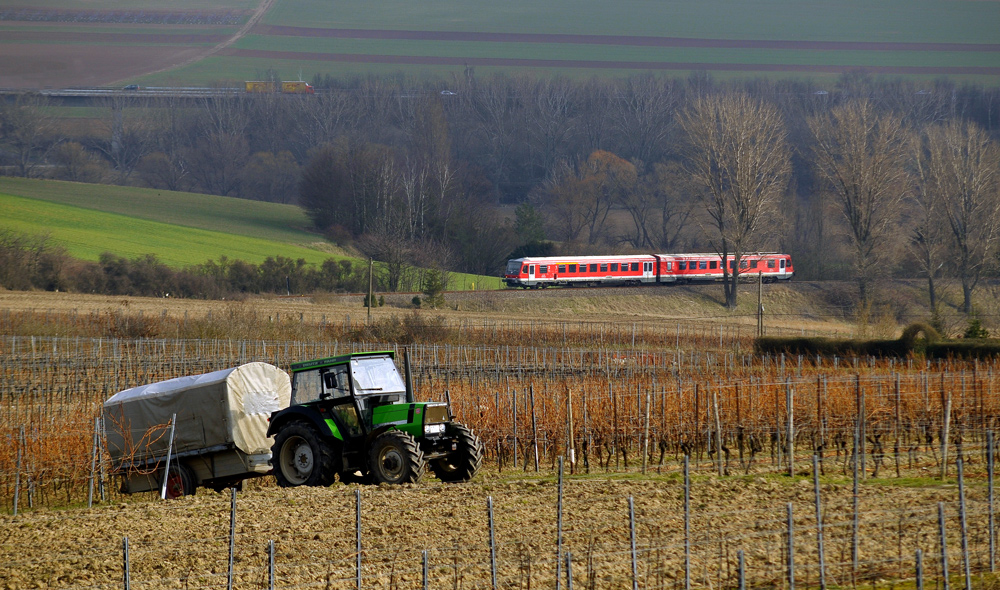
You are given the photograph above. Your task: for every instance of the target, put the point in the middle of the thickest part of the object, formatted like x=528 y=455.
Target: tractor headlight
x=434 y=429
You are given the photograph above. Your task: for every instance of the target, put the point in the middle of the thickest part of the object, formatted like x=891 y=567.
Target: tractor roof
x=338 y=360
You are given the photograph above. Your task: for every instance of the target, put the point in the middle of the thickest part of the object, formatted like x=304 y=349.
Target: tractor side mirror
x=330 y=380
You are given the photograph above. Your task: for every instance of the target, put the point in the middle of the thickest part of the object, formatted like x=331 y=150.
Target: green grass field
x=286 y=224
x=570 y=51
x=181 y=229
x=814 y=20
x=87 y=233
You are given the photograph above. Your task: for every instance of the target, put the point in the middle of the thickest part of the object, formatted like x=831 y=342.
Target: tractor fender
x=375 y=433
x=300 y=414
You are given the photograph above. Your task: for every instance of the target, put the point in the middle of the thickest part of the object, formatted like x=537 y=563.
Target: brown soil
x=184 y=542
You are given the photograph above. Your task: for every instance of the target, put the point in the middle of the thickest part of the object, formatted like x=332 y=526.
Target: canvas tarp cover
x=224 y=407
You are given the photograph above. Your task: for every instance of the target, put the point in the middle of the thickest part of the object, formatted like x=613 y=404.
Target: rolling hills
x=181 y=229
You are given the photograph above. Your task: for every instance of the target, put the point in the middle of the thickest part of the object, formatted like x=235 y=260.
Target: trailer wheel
x=301 y=457
x=396 y=458
x=464 y=463
x=180 y=482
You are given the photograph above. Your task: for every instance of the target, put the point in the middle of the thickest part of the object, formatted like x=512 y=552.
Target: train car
x=567 y=271
x=694 y=268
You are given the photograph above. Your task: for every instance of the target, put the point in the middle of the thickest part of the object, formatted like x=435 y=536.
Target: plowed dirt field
x=184 y=543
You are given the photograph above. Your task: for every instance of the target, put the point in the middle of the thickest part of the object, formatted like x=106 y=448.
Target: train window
x=670 y=265
x=732 y=264
x=544 y=268
x=593 y=267
x=614 y=267
x=713 y=264
x=524 y=269
x=743 y=263
x=572 y=268
x=562 y=268
x=604 y=267
x=770 y=263
x=635 y=266
x=703 y=265
x=682 y=265
x=782 y=263
x=753 y=264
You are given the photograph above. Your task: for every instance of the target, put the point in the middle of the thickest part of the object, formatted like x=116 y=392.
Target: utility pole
x=371 y=266
x=760 y=304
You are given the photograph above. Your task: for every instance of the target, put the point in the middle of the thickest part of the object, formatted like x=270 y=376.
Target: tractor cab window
x=306 y=387
x=336 y=383
x=376 y=375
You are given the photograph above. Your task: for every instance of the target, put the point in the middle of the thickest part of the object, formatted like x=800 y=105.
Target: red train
x=649 y=269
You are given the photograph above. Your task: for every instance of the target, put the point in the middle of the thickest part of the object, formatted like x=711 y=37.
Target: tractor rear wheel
x=464 y=463
x=301 y=457
x=396 y=458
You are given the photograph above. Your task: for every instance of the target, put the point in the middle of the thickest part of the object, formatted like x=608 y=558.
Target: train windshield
x=513 y=267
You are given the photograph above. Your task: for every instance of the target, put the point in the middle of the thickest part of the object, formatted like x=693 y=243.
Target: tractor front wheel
x=396 y=458
x=465 y=461
x=301 y=457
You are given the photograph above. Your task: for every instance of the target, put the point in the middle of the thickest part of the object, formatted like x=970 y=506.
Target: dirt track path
x=258 y=14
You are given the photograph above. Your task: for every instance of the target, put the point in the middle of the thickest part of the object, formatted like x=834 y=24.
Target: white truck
x=213 y=427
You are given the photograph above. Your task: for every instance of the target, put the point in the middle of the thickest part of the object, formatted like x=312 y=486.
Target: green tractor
x=353 y=417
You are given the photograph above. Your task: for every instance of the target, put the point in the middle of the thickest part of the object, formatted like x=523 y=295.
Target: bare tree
x=737 y=152
x=221 y=150
x=928 y=234
x=962 y=166
x=128 y=135
x=643 y=109
x=323 y=118
x=860 y=155
x=551 y=105
x=498 y=119
x=26 y=129
x=561 y=196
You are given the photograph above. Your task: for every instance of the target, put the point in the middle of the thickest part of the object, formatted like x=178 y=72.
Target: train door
x=647 y=272
x=531 y=274
x=781 y=267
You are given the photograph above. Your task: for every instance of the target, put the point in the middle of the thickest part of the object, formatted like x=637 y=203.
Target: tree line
x=861 y=179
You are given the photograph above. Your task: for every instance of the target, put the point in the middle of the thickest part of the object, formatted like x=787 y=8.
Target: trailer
x=210 y=428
